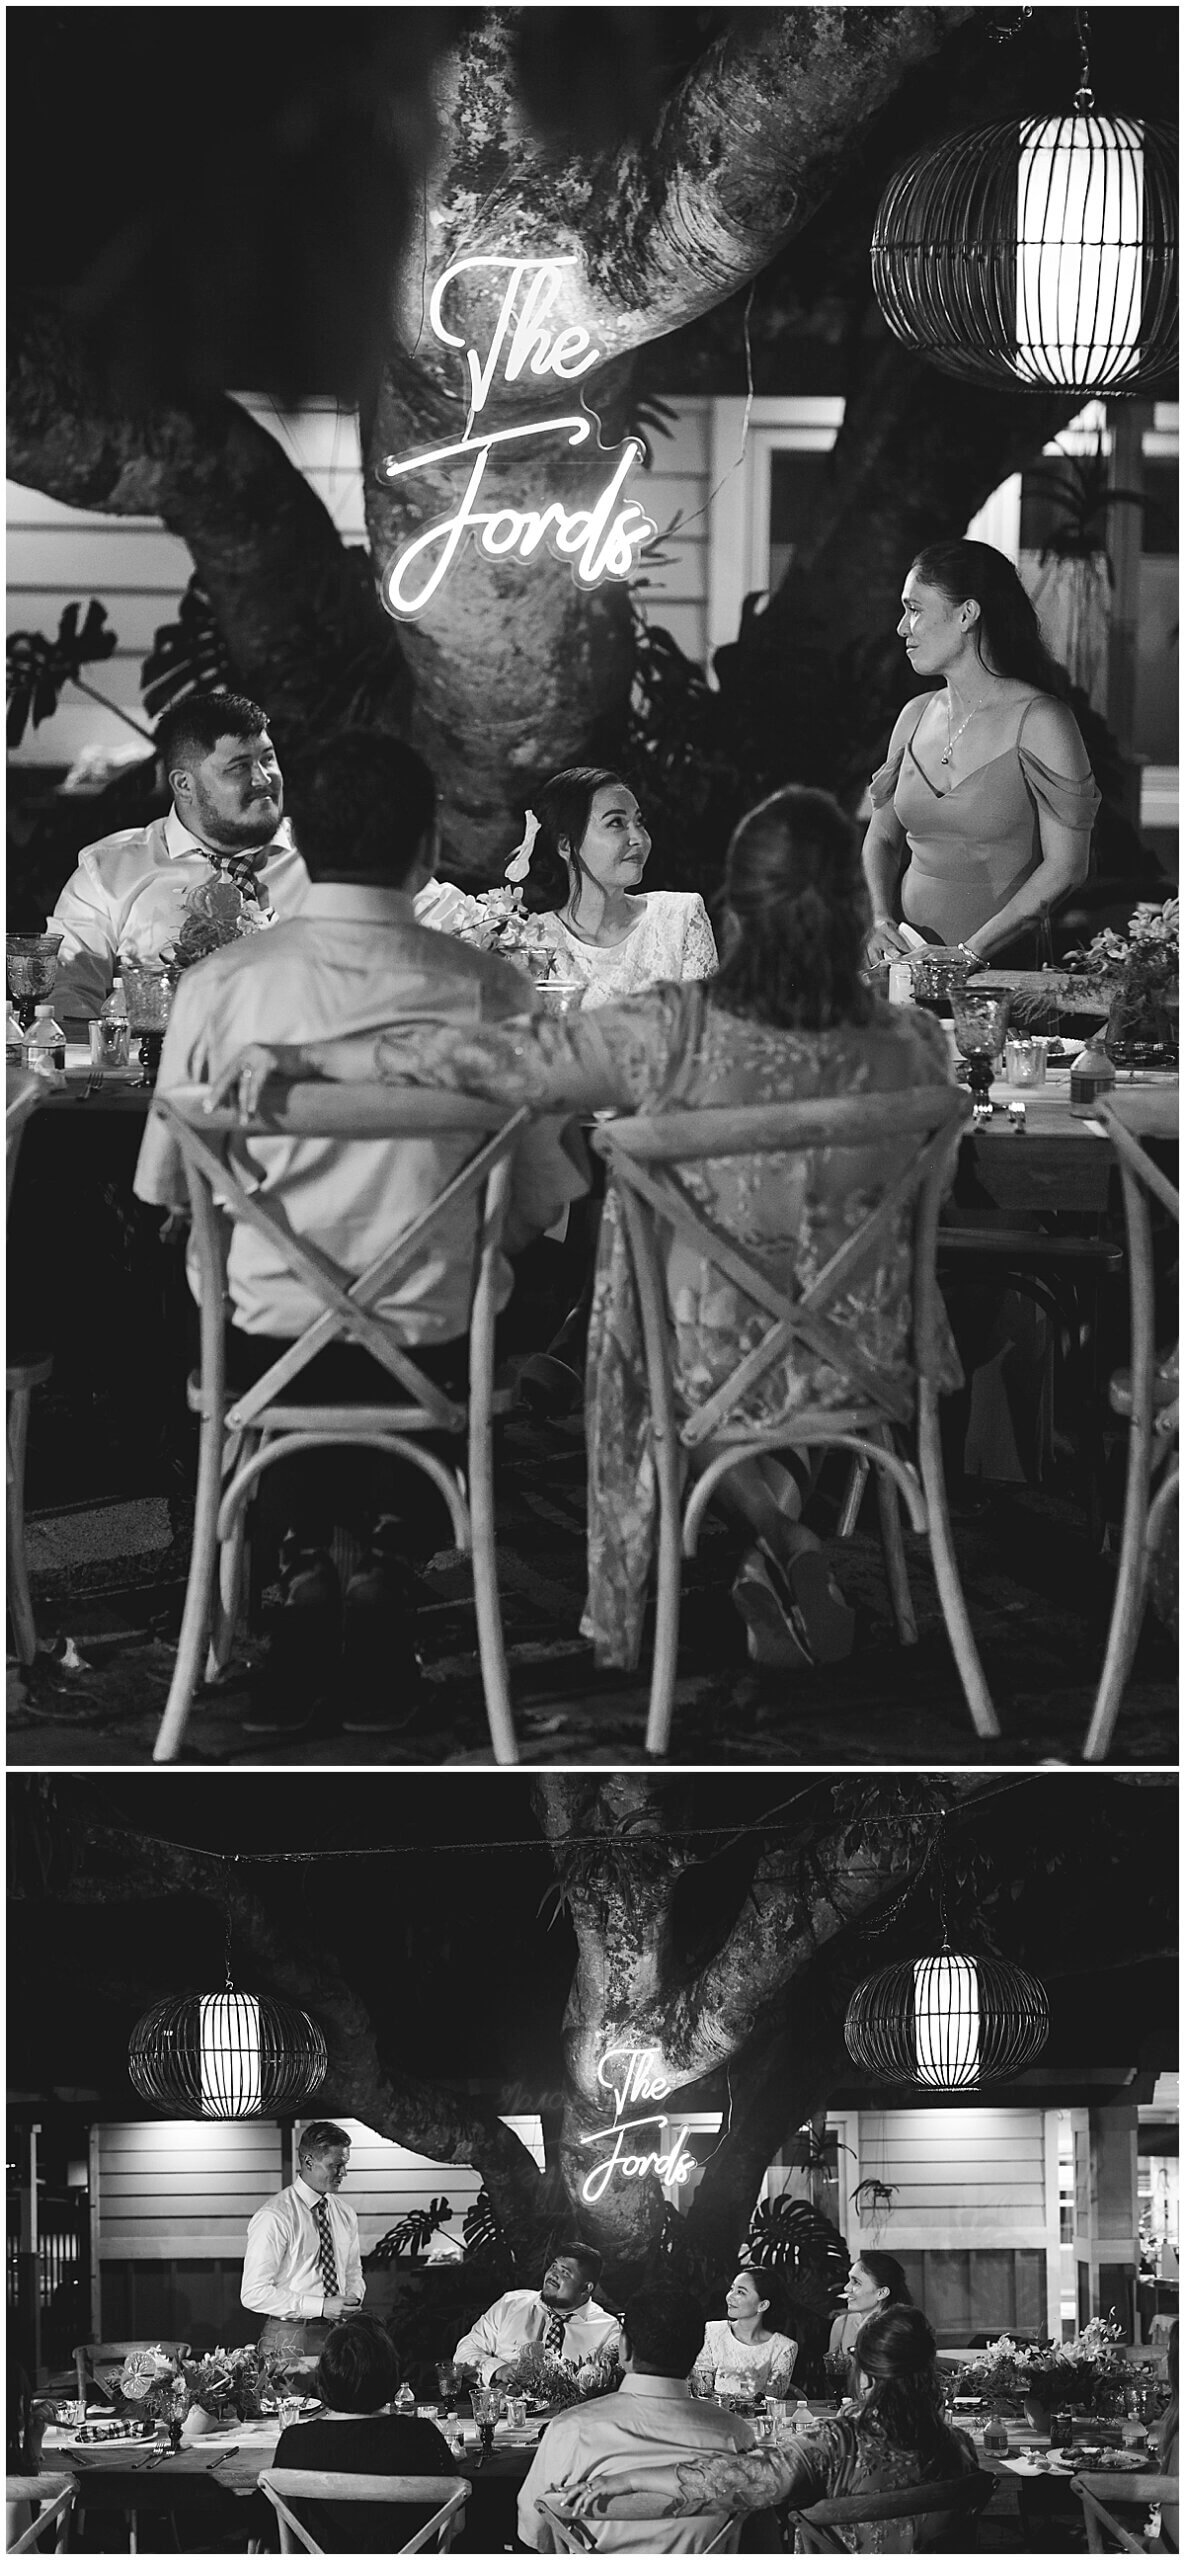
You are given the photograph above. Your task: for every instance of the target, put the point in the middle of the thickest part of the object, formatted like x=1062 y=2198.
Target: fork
x=94 y=1084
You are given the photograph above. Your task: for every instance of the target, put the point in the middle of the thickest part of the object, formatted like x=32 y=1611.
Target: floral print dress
x=673 y=1048
x=847 y=2457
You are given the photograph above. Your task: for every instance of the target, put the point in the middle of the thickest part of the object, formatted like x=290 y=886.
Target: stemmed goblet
x=980 y=1024
x=31 y=960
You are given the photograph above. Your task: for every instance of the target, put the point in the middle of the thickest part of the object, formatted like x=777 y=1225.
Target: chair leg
x=946 y=1572
x=24 y=1632
x=669 y=1582
x=853 y=1497
x=1131 y=1587
x=195 y=1617
x=228 y=1594
x=490 y=1640
x=893 y=1550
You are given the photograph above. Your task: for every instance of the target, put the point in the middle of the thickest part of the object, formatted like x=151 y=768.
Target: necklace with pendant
x=953 y=735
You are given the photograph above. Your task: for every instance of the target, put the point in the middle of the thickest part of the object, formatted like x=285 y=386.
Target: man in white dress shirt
x=227 y=819
x=649 y=2424
x=303 y=2267
x=562 y=2315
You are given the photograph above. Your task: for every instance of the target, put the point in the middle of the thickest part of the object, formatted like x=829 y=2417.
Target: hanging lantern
x=1039 y=254
x=226 y=2054
x=947 y=2021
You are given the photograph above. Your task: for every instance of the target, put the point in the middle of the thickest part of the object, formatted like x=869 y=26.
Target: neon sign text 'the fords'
x=631 y=2073
x=599 y=541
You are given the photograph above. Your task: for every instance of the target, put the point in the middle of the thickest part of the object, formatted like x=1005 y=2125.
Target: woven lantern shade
x=1037 y=254
x=947 y=2021
x=226 y=2054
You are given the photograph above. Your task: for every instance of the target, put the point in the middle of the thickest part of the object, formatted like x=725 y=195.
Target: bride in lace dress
x=583 y=882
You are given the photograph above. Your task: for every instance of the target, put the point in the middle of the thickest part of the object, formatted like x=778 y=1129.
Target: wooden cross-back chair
x=575 y=2533
x=51 y=2494
x=240 y=1441
x=24 y=1370
x=370 y=2488
x=1147 y=1398
x=644 y=1156
x=821 y=2527
x=1100 y=2491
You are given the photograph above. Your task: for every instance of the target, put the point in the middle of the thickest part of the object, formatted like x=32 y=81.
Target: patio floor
x=108 y=1583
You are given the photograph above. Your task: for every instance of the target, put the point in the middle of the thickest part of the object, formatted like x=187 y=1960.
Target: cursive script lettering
x=599 y=541
x=673 y=2168
x=639 y=2080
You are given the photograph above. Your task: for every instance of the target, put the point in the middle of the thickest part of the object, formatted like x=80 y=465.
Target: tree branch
x=296 y=607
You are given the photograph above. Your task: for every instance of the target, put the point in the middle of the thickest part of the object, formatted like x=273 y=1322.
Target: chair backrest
x=966 y=2496
x=53 y=2493
x=22 y=1093
x=1100 y=2491
x=371 y=2488
x=572 y=2533
x=222 y=1194
x=99 y=2361
x=644 y=1155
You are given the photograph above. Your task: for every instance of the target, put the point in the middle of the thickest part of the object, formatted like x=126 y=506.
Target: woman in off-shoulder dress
x=982 y=811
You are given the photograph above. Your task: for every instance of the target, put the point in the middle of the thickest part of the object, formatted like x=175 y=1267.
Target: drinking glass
x=1024 y=1059
x=31 y=960
x=148 y=995
x=486 y=2409
x=980 y=1024
x=110 y=1044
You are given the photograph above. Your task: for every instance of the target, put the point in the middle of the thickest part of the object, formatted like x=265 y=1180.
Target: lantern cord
x=1084 y=94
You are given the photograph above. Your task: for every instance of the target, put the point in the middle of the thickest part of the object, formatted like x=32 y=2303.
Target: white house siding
x=674 y=489
x=187 y=2191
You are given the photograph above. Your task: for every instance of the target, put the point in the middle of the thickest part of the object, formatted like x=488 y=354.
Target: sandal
x=763 y=1598
x=827 y=1624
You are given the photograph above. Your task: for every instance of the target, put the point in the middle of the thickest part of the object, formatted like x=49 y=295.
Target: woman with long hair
x=874 y=2281
x=579 y=871
x=982 y=811
x=896 y=2438
x=788 y=1018
x=750 y=2350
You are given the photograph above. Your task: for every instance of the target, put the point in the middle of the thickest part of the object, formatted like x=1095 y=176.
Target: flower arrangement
x=1057 y=2376
x=220 y=910
x=539 y=2374
x=491 y=920
x=230 y=2382
x=1149 y=951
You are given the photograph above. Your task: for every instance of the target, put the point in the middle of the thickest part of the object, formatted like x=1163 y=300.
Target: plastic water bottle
x=16 y=1041
x=1091 y=1079
x=115 y=1039
x=404 y=2401
x=47 y=1046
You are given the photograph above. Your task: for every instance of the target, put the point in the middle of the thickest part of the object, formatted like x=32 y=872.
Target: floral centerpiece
x=229 y=2383
x=492 y=920
x=539 y=2374
x=1053 y=2377
x=1138 y=974
x=222 y=909
x=149 y=2385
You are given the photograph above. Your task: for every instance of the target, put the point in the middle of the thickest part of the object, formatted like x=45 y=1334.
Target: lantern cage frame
x=189 y=2065
x=1007 y=2028
x=951 y=223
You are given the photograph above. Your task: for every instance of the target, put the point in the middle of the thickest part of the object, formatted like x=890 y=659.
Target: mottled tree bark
x=509 y=671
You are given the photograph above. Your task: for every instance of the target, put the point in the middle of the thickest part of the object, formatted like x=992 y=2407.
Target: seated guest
x=896 y=2439
x=789 y=1018
x=357 y=2376
x=874 y=2281
x=580 y=868
x=225 y=823
x=561 y=2315
x=749 y=2350
x=631 y=2433
x=354 y=960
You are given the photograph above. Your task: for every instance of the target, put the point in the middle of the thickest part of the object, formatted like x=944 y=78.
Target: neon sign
x=636 y=2079
x=599 y=541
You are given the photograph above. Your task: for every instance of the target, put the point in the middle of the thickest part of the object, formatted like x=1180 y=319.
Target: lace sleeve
x=741 y=2482
x=700 y=957
x=542 y=1061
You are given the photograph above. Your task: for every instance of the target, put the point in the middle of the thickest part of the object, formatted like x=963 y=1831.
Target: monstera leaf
x=187 y=656
x=38 y=669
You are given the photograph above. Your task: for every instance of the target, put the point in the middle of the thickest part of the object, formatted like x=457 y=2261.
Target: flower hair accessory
x=520 y=860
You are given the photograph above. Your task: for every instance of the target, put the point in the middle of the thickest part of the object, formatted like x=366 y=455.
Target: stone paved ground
x=108 y=1585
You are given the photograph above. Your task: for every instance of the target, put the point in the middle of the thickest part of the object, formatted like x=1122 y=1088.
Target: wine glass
x=31 y=960
x=485 y=2407
x=148 y=995
x=980 y=1024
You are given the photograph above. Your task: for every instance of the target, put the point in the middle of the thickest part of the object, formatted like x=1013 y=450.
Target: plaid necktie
x=555 y=2333
x=326 y=2262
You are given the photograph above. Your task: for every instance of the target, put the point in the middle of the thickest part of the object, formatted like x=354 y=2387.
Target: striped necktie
x=326 y=2262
